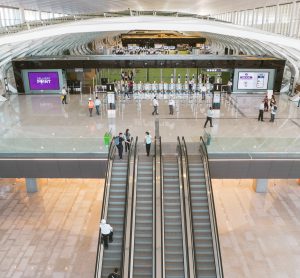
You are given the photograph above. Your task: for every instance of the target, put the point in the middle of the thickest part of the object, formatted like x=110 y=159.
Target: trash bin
x=207 y=138
x=107 y=139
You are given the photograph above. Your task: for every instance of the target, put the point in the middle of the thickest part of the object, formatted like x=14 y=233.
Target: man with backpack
x=118 y=141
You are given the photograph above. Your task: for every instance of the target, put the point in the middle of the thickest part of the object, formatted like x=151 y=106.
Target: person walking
x=171 y=106
x=127 y=138
x=91 y=106
x=97 y=105
x=203 y=91
x=272 y=101
x=229 y=86
x=106 y=233
x=261 y=111
x=64 y=96
x=148 y=140
x=210 y=114
x=118 y=140
x=114 y=274
x=273 y=113
x=126 y=90
x=266 y=104
x=155 y=106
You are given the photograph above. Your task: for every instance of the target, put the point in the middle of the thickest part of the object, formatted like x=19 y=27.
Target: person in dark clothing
x=127 y=142
x=119 y=144
x=114 y=274
x=261 y=111
x=148 y=141
x=266 y=104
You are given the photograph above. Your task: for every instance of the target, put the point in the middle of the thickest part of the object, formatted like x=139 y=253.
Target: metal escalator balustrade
x=99 y=256
x=203 y=235
x=114 y=211
x=212 y=210
x=143 y=237
x=174 y=254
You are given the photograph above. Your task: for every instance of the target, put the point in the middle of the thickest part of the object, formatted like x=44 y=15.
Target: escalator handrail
x=190 y=202
x=126 y=206
x=110 y=158
x=179 y=148
x=161 y=208
x=154 y=210
x=218 y=256
x=134 y=180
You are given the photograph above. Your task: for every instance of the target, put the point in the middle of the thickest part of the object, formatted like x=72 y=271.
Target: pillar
x=31 y=185
x=260 y=185
x=22 y=15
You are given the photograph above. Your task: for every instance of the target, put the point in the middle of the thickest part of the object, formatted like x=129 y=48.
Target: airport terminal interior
x=149 y=139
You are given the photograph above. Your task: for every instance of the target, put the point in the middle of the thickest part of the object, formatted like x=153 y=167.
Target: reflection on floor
x=52 y=233
x=259 y=233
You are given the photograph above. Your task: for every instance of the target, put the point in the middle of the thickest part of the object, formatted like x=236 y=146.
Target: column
x=263 y=18
x=293 y=21
x=31 y=185
x=22 y=15
x=276 y=19
x=260 y=185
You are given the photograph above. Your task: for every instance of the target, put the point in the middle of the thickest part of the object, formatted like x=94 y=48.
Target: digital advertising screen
x=253 y=80
x=43 y=81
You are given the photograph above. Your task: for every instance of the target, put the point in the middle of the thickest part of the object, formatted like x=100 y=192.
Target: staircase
x=202 y=233
x=112 y=256
x=143 y=238
x=173 y=236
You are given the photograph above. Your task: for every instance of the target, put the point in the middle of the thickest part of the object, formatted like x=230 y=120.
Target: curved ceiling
x=149 y=23
x=202 y=7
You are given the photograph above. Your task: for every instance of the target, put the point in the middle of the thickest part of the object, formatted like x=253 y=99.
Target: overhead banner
x=253 y=80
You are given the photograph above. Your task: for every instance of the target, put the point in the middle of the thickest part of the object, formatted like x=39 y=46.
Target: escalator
x=173 y=219
x=143 y=224
x=114 y=210
x=206 y=250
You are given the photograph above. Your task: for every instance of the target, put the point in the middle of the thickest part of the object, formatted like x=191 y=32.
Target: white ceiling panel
x=203 y=7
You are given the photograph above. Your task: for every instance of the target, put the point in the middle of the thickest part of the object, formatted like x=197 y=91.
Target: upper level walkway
x=40 y=126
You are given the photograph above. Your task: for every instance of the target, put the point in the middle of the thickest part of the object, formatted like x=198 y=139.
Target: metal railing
x=212 y=211
x=162 y=231
x=126 y=206
x=182 y=188
x=185 y=153
x=134 y=180
x=99 y=255
x=154 y=209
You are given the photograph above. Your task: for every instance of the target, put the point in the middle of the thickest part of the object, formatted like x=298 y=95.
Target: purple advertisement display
x=43 y=80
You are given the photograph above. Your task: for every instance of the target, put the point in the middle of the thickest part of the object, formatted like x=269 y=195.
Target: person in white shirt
x=106 y=232
x=261 y=111
x=273 y=113
x=229 y=87
x=64 y=95
x=148 y=140
x=155 y=106
x=210 y=114
x=171 y=106
x=203 y=91
x=97 y=105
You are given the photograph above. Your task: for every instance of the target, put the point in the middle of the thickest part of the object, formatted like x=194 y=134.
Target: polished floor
x=259 y=233
x=39 y=123
x=53 y=233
